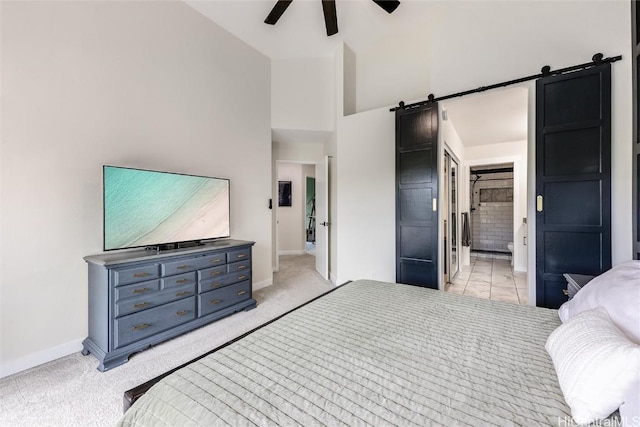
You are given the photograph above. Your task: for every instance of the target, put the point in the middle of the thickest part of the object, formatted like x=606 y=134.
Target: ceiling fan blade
x=388 y=5
x=277 y=11
x=330 y=16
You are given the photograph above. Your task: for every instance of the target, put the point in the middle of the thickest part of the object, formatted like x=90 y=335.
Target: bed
x=373 y=353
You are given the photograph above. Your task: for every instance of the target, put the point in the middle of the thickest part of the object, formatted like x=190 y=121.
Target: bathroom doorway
x=489 y=131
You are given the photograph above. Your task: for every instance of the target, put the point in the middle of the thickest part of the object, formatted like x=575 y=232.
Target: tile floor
x=490 y=278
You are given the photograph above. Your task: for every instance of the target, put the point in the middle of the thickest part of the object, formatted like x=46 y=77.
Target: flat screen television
x=144 y=208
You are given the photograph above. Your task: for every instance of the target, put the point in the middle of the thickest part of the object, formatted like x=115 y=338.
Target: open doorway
x=488 y=134
x=295 y=216
x=301 y=222
x=310 y=214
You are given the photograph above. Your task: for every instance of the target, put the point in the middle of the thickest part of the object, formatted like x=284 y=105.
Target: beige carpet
x=71 y=392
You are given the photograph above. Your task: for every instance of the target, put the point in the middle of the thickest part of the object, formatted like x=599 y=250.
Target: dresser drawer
x=178 y=280
x=145 y=302
x=137 y=326
x=213 y=260
x=239 y=255
x=143 y=273
x=209 y=284
x=238 y=277
x=137 y=289
x=210 y=302
x=206 y=285
x=177 y=267
x=192 y=264
x=241 y=266
x=212 y=273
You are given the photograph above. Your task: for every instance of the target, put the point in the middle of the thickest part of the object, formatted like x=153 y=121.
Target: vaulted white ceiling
x=487 y=118
x=492 y=117
x=300 y=32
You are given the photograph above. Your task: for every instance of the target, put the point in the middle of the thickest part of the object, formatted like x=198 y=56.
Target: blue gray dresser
x=140 y=298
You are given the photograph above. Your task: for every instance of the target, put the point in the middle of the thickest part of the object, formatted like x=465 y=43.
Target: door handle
x=326 y=224
x=539 y=203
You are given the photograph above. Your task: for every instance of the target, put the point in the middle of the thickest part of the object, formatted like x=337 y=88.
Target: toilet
x=510 y=247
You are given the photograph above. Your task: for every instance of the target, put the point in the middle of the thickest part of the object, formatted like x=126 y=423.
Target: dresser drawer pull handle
x=215 y=260
x=242 y=277
x=182 y=267
x=242 y=292
x=214 y=285
x=141 y=290
x=145 y=274
x=241 y=256
x=141 y=305
x=141 y=327
x=183 y=293
x=215 y=301
x=566 y=292
x=241 y=267
x=215 y=273
x=182 y=313
x=183 y=281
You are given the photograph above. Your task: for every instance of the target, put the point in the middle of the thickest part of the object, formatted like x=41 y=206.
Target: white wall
x=350 y=81
x=298 y=151
x=309 y=171
x=291 y=237
x=302 y=94
x=480 y=43
x=391 y=70
x=146 y=84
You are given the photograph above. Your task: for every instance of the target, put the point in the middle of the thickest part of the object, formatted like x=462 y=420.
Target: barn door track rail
x=597 y=59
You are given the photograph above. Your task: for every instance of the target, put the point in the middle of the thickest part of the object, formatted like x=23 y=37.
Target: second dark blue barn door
x=573 y=179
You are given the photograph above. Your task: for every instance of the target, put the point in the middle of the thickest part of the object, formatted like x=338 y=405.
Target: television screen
x=150 y=208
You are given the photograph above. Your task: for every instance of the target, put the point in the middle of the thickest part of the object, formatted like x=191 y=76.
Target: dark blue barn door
x=573 y=179
x=416 y=196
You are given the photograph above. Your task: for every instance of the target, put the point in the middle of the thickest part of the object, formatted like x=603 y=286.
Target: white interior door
x=322 y=217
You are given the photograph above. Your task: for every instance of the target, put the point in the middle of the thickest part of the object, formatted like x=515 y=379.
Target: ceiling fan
x=329 y=9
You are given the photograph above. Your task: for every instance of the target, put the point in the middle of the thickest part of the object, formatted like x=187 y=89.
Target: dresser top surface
x=137 y=255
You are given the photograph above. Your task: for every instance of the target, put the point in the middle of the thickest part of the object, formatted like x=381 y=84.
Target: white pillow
x=596 y=364
x=618 y=292
x=630 y=409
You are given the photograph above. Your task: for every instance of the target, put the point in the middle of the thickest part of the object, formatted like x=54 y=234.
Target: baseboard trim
x=262 y=284
x=295 y=252
x=38 y=358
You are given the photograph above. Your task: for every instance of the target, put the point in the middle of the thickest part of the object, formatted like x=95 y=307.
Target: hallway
x=491 y=278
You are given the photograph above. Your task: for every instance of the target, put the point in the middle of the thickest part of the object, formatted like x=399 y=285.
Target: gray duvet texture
x=373 y=354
